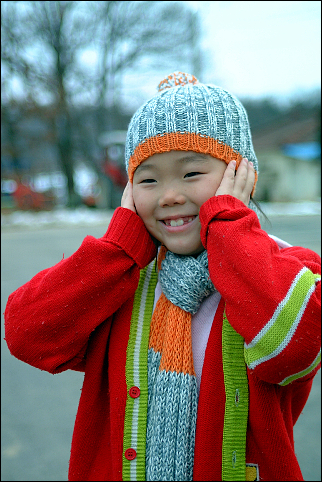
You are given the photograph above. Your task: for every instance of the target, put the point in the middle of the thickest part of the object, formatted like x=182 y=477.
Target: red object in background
x=25 y=199
x=89 y=201
x=115 y=172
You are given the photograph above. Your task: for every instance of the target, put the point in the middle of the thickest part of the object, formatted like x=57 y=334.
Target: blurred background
x=72 y=75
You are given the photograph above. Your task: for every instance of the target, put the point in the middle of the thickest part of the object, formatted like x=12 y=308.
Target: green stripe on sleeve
x=276 y=335
x=302 y=373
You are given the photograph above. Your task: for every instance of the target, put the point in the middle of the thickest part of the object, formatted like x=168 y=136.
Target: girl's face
x=168 y=191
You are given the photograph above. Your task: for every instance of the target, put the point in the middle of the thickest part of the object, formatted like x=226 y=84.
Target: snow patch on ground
x=307 y=208
x=58 y=217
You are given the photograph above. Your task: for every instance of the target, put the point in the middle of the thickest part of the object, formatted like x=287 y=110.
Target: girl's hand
x=127 y=197
x=240 y=185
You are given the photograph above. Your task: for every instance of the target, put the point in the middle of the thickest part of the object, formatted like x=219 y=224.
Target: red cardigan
x=76 y=315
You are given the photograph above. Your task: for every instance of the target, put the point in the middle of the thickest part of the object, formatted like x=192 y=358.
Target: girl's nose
x=171 y=196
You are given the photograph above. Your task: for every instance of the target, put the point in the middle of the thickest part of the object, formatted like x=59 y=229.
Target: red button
x=130 y=454
x=134 y=392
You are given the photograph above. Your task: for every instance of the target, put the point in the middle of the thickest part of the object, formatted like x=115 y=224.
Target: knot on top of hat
x=176 y=78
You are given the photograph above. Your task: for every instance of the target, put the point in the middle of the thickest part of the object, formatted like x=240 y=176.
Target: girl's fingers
x=241 y=175
x=250 y=178
x=238 y=183
x=244 y=181
x=227 y=183
x=127 y=197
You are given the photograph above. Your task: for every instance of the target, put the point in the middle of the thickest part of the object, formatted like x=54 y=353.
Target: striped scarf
x=173 y=397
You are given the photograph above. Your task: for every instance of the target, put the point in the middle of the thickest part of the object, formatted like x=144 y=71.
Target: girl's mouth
x=178 y=221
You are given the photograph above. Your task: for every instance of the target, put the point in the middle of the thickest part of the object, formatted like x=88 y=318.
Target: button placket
x=236 y=409
x=130 y=453
x=234 y=453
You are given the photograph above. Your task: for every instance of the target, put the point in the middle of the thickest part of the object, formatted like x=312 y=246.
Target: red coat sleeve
x=273 y=296
x=49 y=320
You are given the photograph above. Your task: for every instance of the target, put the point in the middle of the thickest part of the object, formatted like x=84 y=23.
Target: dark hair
x=259 y=209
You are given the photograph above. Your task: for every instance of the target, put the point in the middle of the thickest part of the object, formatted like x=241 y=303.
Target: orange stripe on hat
x=187 y=141
x=176 y=141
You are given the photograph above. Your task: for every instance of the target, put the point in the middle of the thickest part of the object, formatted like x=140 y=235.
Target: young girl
x=199 y=334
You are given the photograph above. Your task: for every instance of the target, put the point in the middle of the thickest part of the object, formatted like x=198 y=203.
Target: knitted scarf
x=173 y=397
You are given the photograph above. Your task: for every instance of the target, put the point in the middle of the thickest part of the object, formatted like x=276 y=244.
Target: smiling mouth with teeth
x=179 y=221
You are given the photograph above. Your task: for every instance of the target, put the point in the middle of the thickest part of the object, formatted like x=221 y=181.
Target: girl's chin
x=194 y=248
x=185 y=251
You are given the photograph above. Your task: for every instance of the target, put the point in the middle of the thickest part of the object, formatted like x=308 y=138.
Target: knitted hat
x=187 y=115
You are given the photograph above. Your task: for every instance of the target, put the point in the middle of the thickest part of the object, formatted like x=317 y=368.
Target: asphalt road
x=38 y=409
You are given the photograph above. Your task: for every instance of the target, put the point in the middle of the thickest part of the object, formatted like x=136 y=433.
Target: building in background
x=289 y=157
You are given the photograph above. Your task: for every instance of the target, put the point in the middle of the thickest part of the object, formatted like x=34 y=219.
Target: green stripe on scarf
x=136 y=374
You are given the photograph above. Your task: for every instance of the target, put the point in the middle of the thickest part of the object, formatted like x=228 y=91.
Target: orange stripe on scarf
x=170 y=334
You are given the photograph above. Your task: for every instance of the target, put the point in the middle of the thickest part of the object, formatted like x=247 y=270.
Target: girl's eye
x=147 y=181
x=191 y=174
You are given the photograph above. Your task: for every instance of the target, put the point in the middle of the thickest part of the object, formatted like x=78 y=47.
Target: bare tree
x=41 y=48
x=129 y=32
x=36 y=48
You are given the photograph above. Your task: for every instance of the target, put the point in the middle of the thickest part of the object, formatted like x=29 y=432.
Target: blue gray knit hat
x=187 y=115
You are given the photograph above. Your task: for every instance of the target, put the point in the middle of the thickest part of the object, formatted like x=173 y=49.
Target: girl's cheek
x=141 y=208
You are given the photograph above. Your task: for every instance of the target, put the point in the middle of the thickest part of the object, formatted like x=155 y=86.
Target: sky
x=256 y=49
